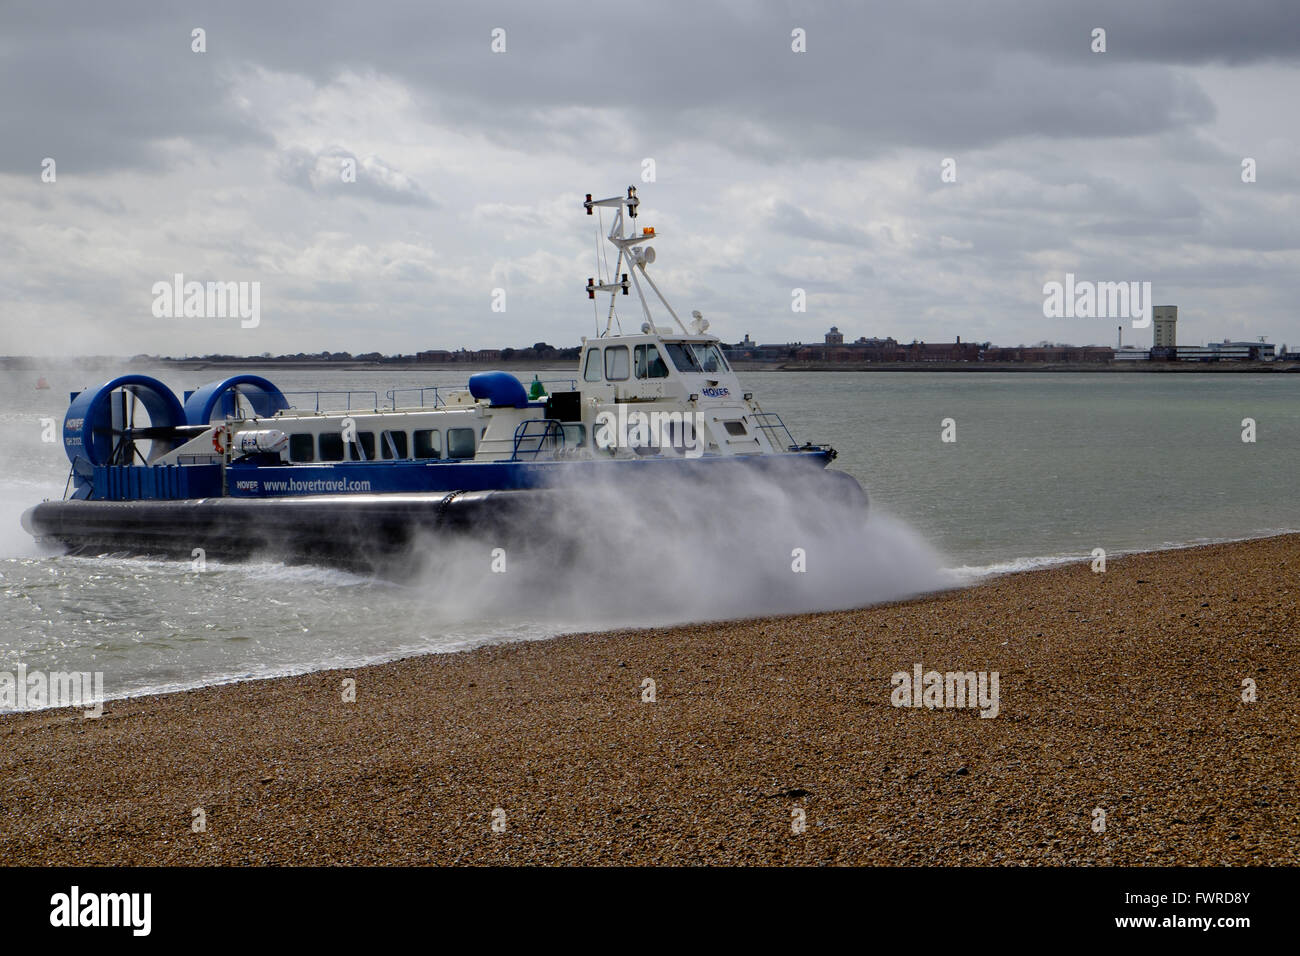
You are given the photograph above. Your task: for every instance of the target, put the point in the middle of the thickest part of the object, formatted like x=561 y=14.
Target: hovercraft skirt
x=365 y=531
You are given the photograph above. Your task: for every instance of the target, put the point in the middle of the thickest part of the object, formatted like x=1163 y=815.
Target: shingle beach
x=768 y=741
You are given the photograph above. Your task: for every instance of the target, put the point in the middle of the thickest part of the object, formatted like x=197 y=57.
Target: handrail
x=438 y=401
x=349 y=392
x=392 y=395
x=552 y=428
x=760 y=421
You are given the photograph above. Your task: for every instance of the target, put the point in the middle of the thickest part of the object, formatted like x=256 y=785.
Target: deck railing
x=771 y=424
x=347 y=392
x=549 y=435
x=425 y=396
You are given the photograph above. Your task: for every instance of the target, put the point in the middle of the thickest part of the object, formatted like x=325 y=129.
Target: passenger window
x=591 y=371
x=365 y=443
x=460 y=443
x=302 y=447
x=616 y=363
x=428 y=443
x=393 y=444
x=331 y=446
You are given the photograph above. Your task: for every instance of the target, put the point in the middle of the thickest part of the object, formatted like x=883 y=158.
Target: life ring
x=217 y=434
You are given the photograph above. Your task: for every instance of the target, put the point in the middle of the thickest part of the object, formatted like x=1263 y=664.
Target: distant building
x=1048 y=353
x=869 y=351
x=957 y=351
x=1165 y=320
x=1227 y=351
x=1131 y=354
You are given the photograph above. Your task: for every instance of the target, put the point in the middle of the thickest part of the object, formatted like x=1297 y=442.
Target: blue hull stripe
x=275 y=481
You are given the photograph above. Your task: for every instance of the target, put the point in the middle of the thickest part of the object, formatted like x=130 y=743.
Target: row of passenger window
x=392 y=445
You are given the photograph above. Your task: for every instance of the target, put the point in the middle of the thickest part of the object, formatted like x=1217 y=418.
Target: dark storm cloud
x=104 y=86
x=101 y=86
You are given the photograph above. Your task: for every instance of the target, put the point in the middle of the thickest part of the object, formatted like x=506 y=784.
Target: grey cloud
x=793 y=221
x=100 y=87
x=1109 y=164
x=112 y=205
x=321 y=172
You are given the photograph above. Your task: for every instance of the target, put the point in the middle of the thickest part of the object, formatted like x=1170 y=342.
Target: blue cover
x=501 y=389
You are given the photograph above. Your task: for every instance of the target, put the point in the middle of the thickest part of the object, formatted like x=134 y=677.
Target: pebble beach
x=1149 y=714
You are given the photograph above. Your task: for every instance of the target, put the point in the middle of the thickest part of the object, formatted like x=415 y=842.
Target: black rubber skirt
x=364 y=532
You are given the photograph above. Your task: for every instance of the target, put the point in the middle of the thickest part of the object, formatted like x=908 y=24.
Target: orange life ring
x=216 y=441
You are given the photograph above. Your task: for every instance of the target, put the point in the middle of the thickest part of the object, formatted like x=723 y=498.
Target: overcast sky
x=774 y=169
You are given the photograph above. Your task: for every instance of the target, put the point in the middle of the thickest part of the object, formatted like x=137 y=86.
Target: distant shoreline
x=193 y=364
x=1118 y=367
x=26 y=364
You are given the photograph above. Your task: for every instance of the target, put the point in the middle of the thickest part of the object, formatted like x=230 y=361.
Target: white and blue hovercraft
x=237 y=470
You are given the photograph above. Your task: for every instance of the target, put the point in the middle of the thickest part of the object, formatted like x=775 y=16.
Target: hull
x=355 y=531
x=372 y=532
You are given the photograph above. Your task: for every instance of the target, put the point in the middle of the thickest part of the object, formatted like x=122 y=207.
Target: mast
x=631 y=250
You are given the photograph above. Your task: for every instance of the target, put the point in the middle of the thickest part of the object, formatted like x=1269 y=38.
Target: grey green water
x=1045 y=467
x=1050 y=465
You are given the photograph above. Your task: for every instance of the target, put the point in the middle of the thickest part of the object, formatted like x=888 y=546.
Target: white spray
x=643 y=553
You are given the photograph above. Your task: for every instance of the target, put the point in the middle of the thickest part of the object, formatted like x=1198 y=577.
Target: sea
x=969 y=475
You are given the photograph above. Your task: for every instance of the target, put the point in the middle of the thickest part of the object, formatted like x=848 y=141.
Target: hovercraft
x=234 y=469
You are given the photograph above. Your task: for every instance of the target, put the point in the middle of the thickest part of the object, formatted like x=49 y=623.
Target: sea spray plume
x=648 y=552
x=32 y=465
x=15 y=542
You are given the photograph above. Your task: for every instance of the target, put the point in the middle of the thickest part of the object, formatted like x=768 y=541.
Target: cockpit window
x=649 y=364
x=591 y=371
x=683 y=358
x=697 y=357
x=616 y=363
x=710 y=358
